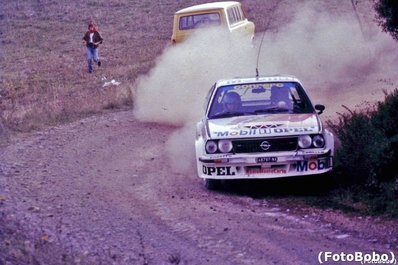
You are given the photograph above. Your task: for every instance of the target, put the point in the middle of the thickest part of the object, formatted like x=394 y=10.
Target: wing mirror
x=320 y=108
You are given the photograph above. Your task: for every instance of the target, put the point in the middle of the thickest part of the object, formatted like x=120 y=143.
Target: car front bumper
x=264 y=166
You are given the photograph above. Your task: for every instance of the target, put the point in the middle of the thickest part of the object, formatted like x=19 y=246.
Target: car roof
x=202 y=7
x=245 y=80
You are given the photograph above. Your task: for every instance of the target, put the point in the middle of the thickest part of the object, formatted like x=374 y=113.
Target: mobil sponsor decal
x=312 y=165
x=263 y=131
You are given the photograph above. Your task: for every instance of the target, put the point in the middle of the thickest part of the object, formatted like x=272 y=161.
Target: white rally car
x=259 y=128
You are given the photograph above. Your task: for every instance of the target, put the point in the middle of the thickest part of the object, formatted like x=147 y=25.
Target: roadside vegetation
x=365 y=178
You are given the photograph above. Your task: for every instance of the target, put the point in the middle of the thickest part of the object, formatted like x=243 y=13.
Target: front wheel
x=213 y=184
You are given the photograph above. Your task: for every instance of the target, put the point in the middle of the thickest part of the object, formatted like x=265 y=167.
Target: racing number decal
x=218 y=171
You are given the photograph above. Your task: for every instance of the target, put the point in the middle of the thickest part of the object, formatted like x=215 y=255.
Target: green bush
x=368 y=155
x=366 y=162
x=364 y=151
x=385 y=118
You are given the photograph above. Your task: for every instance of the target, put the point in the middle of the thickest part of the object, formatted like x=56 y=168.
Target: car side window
x=199 y=20
x=301 y=101
x=231 y=16
x=207 y=101
x=235 y=15
x=238 y=14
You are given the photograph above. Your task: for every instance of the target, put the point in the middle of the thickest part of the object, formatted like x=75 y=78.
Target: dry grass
x=43 y=78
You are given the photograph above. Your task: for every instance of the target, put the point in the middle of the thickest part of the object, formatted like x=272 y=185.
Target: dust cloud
x=174 y=90
x=181 y=149
x=338 y=62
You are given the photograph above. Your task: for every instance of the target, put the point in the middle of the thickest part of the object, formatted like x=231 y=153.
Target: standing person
x=92 y=39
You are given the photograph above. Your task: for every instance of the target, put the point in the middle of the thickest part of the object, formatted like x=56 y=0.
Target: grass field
x=43 y=76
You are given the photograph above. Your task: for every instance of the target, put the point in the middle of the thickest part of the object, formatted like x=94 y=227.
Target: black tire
x=213 y=184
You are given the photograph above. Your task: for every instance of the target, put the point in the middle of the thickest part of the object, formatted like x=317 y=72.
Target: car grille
x=275 y=145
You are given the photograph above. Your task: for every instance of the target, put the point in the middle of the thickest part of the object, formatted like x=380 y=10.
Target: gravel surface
x=100 y=191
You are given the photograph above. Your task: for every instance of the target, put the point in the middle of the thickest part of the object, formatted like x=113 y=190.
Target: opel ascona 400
x=259 y=128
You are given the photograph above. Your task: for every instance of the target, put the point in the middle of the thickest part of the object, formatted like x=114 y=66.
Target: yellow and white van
x=228 y=15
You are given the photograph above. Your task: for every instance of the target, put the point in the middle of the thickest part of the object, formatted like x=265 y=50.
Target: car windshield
x=259 y=99
x=199 y=21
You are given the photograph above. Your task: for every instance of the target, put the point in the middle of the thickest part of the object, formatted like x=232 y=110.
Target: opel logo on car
x=265 y=145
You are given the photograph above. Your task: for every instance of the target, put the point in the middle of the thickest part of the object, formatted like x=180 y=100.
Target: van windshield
x=199 y=21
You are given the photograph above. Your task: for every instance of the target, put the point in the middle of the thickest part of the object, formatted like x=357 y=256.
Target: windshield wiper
x=229 y=114
x=271 y=110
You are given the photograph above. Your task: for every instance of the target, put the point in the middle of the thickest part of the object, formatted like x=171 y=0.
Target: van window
x=235 y=15
x=199 y=20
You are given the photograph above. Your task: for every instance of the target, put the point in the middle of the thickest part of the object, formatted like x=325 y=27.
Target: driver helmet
x=232 y=98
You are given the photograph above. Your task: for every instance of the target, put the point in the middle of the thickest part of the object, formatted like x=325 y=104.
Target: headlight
x=211 y=147
x=304 y=141
x=225 y=146
x=318 y=141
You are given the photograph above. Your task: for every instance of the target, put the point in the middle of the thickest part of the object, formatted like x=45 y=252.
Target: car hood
x=263 y=126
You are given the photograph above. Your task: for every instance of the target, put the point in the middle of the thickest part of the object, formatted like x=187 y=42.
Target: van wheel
x=213 y=184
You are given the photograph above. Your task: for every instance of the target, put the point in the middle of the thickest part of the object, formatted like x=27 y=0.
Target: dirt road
x=100 y=191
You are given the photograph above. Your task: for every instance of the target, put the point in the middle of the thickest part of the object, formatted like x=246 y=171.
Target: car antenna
x=258 y=54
